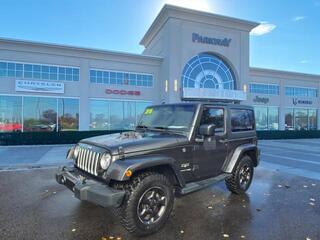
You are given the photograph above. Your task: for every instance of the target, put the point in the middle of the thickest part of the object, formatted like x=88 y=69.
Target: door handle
x=223 y=141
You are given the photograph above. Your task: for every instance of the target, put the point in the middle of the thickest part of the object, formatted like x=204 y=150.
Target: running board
x=195 y=186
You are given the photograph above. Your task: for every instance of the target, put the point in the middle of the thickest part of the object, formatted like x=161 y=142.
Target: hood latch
x=121 y=152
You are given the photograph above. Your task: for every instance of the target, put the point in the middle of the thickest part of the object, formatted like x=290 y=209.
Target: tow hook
x=82 y=179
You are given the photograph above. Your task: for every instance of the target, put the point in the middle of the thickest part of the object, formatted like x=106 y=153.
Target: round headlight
x=76 y=151
x=105 y=161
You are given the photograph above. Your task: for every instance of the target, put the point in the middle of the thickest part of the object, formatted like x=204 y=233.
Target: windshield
x=169 y=117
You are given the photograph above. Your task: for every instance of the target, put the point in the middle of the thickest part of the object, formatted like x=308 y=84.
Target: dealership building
x=189 y=56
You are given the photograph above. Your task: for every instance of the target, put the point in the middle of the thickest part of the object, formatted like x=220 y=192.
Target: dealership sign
x=123 y=92
x=296 y=101
x=225 y=42
x=39 y=86
x=263 y=100
x=213 y=94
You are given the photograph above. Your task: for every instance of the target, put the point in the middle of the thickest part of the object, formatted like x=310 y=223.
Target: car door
x=211 y=152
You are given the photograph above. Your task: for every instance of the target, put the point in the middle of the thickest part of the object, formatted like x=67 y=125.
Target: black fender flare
x=118 y=168
x=237 y=154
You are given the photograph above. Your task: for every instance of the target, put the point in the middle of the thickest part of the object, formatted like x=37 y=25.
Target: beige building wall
x=285 y=79
x=170 y=36
x=85 y=59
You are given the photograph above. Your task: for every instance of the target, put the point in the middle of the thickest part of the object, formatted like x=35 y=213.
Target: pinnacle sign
x=225 y=42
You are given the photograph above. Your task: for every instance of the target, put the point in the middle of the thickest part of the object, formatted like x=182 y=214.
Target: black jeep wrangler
x=176 y=149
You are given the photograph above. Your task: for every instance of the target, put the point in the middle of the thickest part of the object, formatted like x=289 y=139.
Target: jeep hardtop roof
x=220 y=104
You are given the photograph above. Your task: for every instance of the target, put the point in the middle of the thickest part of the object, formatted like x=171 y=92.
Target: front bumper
x=88 y=189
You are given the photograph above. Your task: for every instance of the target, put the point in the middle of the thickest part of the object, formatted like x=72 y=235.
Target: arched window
x=208 y=71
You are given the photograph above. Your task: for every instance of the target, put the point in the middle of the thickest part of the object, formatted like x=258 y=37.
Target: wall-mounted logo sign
x=122 y=92
x=39 y=86
x=297 y=101
x=212 y=93
x=263 y=100
x=225 y=42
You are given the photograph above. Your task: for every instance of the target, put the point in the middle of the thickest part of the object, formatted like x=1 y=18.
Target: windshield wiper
x=142 y=127
x=167 y=130
x=161 y=128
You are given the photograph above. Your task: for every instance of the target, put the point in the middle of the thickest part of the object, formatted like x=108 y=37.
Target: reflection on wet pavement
x=277 y=206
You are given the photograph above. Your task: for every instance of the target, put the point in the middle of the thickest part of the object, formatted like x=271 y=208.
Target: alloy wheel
x=245 y=174
x=152 y=205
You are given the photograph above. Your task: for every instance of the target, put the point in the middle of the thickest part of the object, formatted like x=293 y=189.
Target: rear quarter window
x=242 y=120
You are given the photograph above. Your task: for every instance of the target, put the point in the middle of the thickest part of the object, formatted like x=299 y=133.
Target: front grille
x=88 y=160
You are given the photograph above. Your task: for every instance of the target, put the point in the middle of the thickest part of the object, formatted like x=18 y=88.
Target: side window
x=242 y=120
x=213 y=116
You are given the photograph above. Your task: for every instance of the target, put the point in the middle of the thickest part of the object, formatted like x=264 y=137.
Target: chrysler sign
x=39 y=86
x=123 y=92
x=225 y=42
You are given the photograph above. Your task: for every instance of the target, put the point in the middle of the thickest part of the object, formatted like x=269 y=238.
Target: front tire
x=241 y=177
x=147 y=205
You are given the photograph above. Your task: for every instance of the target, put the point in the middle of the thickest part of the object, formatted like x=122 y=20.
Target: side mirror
x=207 y=130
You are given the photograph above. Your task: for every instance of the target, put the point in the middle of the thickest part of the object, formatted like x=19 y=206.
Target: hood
x=133 y=141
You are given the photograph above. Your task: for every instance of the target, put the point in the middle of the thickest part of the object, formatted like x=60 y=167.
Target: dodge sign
x=123 y=92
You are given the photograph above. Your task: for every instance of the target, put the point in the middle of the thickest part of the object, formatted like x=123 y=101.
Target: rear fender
x=237 y=155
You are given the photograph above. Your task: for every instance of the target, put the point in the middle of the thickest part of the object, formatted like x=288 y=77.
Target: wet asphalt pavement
x=33 y=206
x=281 y=203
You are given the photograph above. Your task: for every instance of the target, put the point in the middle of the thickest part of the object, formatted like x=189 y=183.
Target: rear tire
x=241 y=177
x=147 y=205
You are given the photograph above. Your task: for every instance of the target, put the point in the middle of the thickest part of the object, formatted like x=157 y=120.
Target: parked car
x=10 y=127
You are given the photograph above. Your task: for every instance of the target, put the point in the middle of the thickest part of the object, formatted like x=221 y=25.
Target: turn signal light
x=128 y=173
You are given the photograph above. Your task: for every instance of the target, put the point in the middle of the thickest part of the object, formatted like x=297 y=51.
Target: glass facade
x=68 y=114
x=300 y=119
x=99 y=115
x=267 y=118
x=121 y=78
x=289 y=120
x=115 y=114
x=262 y=88
x=312 y=119
x=301 y=92
x=10 y=114
x=208 y=71
x=38 y=114
x=38 y=72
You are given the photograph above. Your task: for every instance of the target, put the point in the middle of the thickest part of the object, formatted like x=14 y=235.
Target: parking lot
x=297 y=156
x=282 y=203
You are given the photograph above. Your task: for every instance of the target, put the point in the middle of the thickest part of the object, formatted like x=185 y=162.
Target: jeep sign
x=263 y=100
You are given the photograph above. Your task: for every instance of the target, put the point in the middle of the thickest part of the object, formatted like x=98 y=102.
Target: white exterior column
x=84 y=113
x=282 y=116
x=318 y=119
